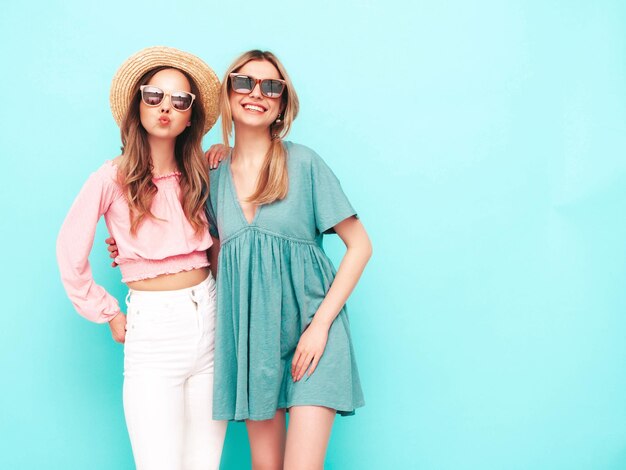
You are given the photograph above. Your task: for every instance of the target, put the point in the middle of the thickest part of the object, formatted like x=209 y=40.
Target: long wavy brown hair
x=273 y=182
x=134 y=171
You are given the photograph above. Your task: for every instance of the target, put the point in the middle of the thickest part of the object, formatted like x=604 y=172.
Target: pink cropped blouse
x=165 y=244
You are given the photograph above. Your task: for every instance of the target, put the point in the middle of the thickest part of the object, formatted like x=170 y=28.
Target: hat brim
x=129 y=73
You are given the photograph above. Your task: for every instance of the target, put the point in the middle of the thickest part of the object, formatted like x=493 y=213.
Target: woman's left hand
x=216 y=154
x=309 y=350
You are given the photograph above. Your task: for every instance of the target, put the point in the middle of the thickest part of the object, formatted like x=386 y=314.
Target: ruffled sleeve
x=330 y=204
x=74 y=245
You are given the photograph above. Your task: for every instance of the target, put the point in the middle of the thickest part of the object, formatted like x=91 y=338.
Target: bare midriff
x=181 y=280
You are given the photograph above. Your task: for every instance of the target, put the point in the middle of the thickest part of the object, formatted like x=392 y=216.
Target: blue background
x=483 y=144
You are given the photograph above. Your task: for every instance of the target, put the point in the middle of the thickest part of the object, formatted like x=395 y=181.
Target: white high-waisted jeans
x=168 y=379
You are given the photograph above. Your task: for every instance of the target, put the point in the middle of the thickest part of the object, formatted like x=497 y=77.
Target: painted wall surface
x=483 y=144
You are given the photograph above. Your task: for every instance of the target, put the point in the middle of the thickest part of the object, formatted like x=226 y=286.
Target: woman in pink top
x=152 y=198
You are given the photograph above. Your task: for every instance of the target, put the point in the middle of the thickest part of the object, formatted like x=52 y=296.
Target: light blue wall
x=483 y=144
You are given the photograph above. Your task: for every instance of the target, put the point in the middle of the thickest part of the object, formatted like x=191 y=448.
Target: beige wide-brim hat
x=127 y=76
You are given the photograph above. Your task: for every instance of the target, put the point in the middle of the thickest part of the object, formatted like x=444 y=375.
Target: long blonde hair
x=273 y=181
x=135 y=167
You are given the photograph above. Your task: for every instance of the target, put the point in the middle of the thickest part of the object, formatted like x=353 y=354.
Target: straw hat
x=138 y=64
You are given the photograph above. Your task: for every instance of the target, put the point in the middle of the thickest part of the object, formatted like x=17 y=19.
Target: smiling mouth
x=254 y=107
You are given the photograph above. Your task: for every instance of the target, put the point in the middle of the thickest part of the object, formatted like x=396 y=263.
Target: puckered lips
x=164 y=120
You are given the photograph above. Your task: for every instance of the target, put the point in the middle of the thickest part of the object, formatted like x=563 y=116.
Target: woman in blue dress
x=282 y=333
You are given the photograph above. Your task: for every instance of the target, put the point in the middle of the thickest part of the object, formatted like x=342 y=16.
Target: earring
x=279 y=119
x=189 y=124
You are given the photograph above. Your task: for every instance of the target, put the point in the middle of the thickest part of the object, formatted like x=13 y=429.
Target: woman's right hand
x=112 y=249
x=216 y=154
x=118 y=327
